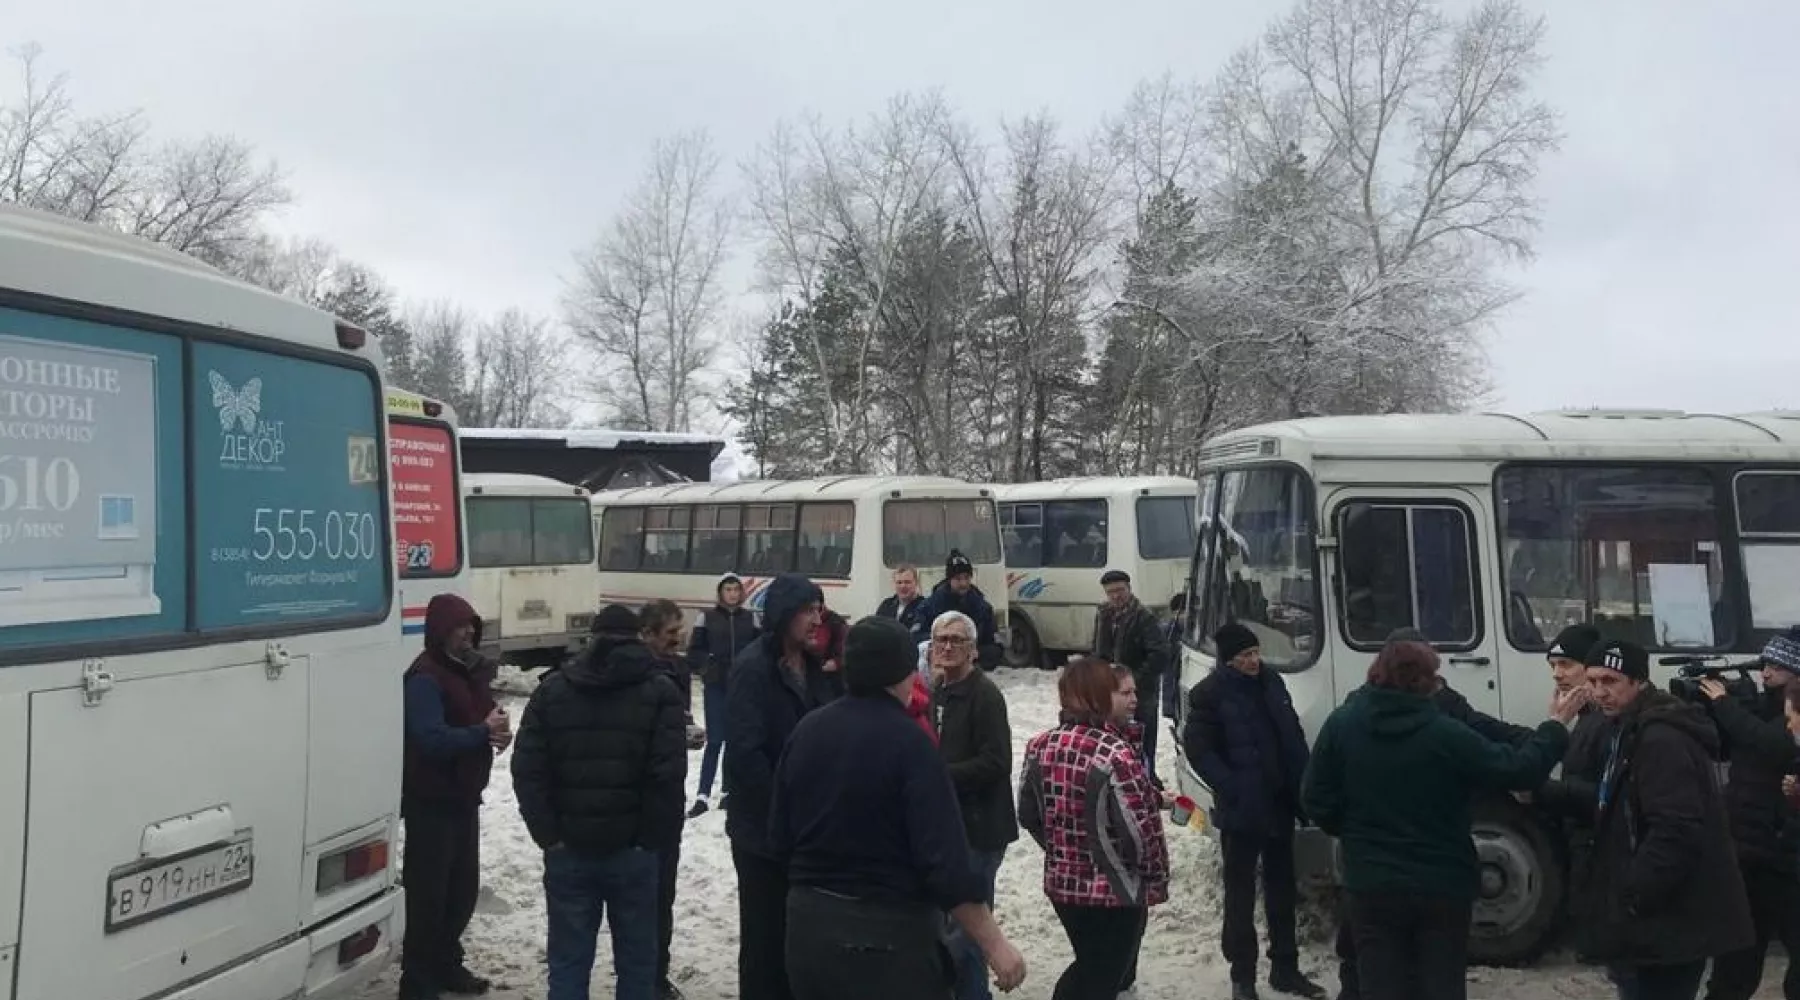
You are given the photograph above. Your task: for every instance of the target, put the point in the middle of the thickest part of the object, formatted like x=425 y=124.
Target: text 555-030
x=284 y=533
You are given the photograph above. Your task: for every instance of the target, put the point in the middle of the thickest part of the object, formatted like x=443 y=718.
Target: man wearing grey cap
x=865 y=818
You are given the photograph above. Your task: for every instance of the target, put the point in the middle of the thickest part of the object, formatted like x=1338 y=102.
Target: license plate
x=146 y=891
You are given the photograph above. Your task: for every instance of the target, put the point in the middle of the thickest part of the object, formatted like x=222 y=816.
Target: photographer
x=1763 y=825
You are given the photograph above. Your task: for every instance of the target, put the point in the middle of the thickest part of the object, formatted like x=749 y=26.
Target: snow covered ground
x=1180 y=958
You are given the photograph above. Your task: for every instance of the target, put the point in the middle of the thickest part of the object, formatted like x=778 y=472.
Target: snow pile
x=1180 y=958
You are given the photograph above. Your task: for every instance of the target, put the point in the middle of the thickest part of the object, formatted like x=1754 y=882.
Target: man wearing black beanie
x=865 y=818
x=1569 y=798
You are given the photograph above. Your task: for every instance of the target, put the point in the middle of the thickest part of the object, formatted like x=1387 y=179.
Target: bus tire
x=1022 y=646
x=1523 y=881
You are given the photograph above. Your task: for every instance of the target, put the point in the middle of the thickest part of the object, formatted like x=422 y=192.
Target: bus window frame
x=188 y=333
x=1471 y=535
x=1310 y=500
x=531 y=500
x=1137 y=515
x=800 y=534
x=637 y=565
x=1730 y=543
x=462 y=555
x=1747 y=627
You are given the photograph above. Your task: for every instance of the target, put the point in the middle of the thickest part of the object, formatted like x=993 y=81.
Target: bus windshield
x=530 y=531
x=1255 y=562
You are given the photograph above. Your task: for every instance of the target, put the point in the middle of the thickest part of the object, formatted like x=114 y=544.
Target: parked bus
x=428 y=525
x=200 y=719
x=1060 y=536
x=531 y=546
x=847 y=534
x=1490 y=533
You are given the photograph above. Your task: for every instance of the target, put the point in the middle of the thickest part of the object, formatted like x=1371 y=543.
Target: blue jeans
x=712 y=707
x=971 y=964
x=578 y=889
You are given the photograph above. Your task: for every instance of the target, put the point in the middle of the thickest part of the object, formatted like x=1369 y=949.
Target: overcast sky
x=466 y=153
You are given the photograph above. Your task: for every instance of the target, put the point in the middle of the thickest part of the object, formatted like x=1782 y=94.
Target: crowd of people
x=865 y=772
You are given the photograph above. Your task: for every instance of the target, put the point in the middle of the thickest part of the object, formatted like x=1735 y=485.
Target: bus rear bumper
x=310 y=966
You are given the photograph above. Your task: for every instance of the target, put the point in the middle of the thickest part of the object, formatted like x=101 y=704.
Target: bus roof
x=406 y=403
x=45 y=254
x=771 y=490
x=517 y=484
x=1501 y=436
x=1096 y=486
x=591 y=437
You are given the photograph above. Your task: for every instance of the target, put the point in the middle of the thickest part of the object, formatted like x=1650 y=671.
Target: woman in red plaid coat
x=1087 y=800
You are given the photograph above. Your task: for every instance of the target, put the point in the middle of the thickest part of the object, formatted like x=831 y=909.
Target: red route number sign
x=425 y=501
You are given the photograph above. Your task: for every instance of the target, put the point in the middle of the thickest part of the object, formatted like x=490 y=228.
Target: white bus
x=1490 y=533
x=200 y=708
x=425 y=464
x=1060 y=536
x=531 y=546
x=846 y=534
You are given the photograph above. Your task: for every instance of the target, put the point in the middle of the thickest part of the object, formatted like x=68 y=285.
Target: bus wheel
x=1022 y=646
x=1522 y=884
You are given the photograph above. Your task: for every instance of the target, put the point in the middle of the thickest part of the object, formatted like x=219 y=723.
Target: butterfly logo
x=236 y=406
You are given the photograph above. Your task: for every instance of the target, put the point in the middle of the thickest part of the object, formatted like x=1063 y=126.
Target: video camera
x=1691 y=670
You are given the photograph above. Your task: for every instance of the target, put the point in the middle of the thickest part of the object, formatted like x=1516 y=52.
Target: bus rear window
x=1165 y=528
x=427 y=516
x=922 y=532
x=530 y=531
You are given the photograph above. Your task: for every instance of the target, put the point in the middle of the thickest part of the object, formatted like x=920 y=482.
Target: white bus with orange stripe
x=847 y=534
x=425 y=460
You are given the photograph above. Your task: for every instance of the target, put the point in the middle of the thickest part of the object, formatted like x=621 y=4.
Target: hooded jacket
x=1244 y=739
x=1412 y=835
x=448 y=760
x=1663 y=883
x=602 y=753
x=764 y=705
x=717 y=639
x=1763 y=824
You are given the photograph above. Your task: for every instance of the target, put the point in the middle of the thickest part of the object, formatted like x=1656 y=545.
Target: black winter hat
x=1627 y=658
x=958 y=565
x=878 y=653
x=1233 y=638
x=1113 y=576
x=615 y=619
x=1574 y=643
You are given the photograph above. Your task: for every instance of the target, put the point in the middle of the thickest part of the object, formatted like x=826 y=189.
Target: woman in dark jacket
x=1409 y=865
x=723 y=632
x=774 y=683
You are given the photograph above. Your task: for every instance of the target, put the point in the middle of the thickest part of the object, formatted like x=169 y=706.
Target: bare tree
x=304 y=268
x=516 y=367
x=647 y=293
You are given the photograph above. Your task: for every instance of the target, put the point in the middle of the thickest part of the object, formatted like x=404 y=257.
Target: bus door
x=1413 y=558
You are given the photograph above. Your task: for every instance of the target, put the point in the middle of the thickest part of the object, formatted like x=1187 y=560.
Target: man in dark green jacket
x=1128 y=634
x=968 y=711
x=1409 y=866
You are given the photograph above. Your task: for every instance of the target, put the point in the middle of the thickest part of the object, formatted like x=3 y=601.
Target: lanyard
x=1611 y=772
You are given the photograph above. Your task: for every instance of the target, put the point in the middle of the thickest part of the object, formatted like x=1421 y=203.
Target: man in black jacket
x=957 y=592
x=1763 y=824
x=864 y=817
x=598 y=773
x=975 y=739
x=905 y=604
x=1569 y=798
x=1663 y=893
x=722 y=632
x=775 y=682
x=660 y=628
x=1127 y=633
x=1243 y=738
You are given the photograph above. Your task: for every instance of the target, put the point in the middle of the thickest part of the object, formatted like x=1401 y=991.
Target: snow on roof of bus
x=19 y=222
x=518 y=481
x=1400 y=434
x=1093 y=486
x=772 y=490
x=590 y=437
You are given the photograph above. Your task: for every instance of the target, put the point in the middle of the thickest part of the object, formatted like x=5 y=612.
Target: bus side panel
x=354 y=741
x=14 y=722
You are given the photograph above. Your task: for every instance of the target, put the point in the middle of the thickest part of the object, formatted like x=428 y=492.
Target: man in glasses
x=975 y=739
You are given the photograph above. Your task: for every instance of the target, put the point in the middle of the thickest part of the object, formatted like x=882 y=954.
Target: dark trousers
x=841 y=948
x=1680 y=981
x=442 y=874
x=712 y=707
x=971 y=964
x=1149 y=686
x=581 y=892
x=1410 y=946
x=1137 y=949
x=1775 y=906
x=1238 y=942
x=668 y=864
x=1104 y=939
x=1349 y=983
x=762 y=927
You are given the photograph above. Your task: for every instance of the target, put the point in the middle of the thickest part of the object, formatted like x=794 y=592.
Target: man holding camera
x=1763 y=825
x=1663 y=893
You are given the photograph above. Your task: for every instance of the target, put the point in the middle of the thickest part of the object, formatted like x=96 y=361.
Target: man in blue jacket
x=958 y=592
x=722 y=632
x=1245 y=741
x=774 y=683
